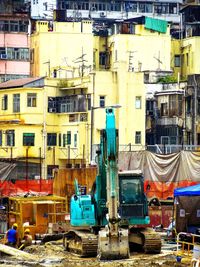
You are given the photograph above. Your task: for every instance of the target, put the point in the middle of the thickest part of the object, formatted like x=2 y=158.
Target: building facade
x=14 y=40
x=112 y=10
x=45 y=125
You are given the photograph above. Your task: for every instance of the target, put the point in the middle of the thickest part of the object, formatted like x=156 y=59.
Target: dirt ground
x=53 y=254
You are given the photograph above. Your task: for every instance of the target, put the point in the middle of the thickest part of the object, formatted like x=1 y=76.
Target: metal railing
x=186 y=247
x=158 y=148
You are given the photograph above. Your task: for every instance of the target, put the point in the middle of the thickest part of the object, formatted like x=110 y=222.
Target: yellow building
x=184 y=56
x=47 y=122
x=176 y=58
x=61 y=49
x=56 y=121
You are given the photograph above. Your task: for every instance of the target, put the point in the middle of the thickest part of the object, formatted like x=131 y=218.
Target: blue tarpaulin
x=193 y=190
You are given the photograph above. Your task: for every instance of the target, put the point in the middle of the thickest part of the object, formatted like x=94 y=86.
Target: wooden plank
x=15 y=252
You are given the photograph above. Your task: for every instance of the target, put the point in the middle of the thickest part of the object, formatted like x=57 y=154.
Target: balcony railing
x=168 y=121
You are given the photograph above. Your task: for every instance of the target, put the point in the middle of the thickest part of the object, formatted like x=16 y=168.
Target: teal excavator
x=114 y=216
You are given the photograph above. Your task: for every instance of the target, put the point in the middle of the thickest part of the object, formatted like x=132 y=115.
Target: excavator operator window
x=130 y=191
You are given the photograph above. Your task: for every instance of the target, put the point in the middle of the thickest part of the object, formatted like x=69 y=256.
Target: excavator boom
x=113 y=240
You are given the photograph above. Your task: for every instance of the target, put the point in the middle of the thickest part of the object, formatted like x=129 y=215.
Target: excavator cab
x=133 y=208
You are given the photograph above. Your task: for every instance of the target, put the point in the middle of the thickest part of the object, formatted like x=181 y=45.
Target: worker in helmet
x=12 y=238
x=27 y=239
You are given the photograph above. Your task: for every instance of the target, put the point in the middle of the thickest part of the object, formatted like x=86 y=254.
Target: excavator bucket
x=113 y=247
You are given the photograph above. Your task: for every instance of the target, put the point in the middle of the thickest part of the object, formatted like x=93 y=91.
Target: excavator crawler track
x=83 y=243
x=152 y=241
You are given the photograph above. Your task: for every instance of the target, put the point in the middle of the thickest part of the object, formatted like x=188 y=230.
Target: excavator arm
x=113 y=240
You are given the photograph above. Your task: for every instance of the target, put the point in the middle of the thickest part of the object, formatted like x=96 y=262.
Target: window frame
x=102 y=101
x=31 y=100
x=28 y=139
x=10 y=137
x=51 y=139
x=138 y=137
x=177 y=61
x=16 y=103
x=138 y=102
x=4 y=103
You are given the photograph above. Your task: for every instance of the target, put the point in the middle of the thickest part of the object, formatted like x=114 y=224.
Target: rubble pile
x=53 y=254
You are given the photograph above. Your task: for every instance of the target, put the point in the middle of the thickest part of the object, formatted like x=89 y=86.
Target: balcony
x=170 y=121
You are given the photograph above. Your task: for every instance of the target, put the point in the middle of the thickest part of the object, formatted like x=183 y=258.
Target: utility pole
x=195 y=110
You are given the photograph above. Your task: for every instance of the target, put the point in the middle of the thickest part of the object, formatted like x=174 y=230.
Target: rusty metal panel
x=160 y=215
x=63 y=184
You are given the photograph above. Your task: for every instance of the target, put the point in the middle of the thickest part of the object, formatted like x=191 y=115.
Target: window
x=28 y=139
x=102 y=101
x=10 y=138
x=137 y=137
x=3 y=53
x=59 y=139
x=5 y=102
x=51 y=139
x=63 y=108
x=173 y=140
x=165 y=140
x=64 y=140
x=16 y=103
x=89 y=102
x=187 y=59
x=164 y=109
x=31 y=100
x=14 y=25
x=180 y=107
x=102 y=58
x=145 y=7
x=173 y=8
x=7 y=77
x=130 y=6
x=68 y=138
x=75 y=140
x=18 y=53
x=177 y=61
x=138 y=102
x=172 y=105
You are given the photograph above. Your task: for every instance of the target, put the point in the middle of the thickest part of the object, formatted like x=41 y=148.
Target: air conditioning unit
x=102 y=14
x=3 y=56
x=52 y=110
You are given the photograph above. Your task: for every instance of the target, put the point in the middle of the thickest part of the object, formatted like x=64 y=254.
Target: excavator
x=113 y=217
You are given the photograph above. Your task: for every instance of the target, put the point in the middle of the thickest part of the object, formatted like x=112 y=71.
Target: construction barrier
x=164 y=190
x=189 y=247
x=8 y=188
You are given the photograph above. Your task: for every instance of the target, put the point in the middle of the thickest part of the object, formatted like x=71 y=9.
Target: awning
x=156 y=24
x=193 y=190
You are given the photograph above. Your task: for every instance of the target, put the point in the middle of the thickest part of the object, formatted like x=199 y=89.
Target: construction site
x=130 y=209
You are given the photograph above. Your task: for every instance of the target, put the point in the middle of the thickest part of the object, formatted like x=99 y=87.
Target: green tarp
x=156 y=25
